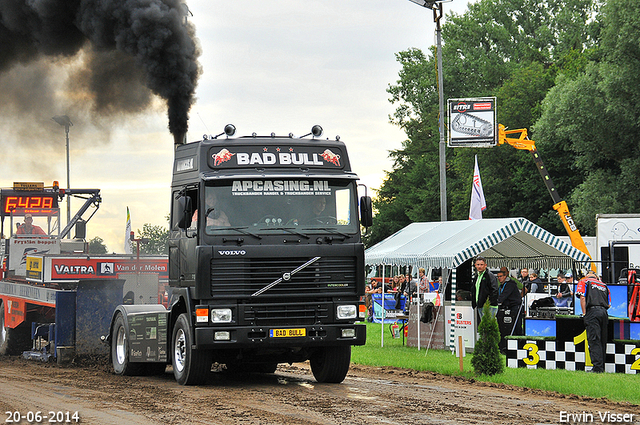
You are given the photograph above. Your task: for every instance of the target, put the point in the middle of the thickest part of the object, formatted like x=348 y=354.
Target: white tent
x=510 y=242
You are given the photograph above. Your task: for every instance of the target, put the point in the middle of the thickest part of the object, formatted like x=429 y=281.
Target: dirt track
x=290 y=396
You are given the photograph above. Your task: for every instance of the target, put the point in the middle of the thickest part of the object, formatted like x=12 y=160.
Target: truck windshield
x=267 y=206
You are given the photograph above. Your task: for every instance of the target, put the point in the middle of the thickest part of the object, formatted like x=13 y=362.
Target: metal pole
x=437 y=14
x=68 y=184
x=418 y=294
x=383 y=311
x=436 y=6
x=64 y=121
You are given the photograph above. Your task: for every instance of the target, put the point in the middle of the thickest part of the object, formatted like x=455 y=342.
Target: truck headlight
x=221 y=315
x=346 y=312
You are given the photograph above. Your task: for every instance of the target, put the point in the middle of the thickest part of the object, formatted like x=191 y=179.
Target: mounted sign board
x=473 y=122
x=29 y=186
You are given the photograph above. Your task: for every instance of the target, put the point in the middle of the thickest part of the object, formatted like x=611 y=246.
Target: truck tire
x=331 y=364
x=16 y=340
x=120 y=350
x=191 y=366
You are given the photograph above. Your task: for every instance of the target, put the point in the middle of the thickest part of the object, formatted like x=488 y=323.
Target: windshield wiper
x=291 y=230
x=334 y=231
x=240 y=229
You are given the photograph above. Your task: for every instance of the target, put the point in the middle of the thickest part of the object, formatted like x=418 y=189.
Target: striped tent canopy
x=510 y=242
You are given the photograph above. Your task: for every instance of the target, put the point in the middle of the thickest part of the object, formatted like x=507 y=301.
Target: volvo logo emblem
x=286 y=276
x=240 y=252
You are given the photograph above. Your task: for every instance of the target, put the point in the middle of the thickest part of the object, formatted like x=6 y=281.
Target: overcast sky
x=271 y=66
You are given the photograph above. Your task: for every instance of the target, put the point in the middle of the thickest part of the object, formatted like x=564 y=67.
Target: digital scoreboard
x=35 y=204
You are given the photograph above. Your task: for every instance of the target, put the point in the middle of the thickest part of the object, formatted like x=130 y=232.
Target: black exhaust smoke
x=128 y=48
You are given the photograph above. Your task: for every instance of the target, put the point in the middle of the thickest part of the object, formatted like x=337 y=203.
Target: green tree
x=511 y=49
x=590 y=121
x=486 y=358
x=97 y=246
x=157 y=239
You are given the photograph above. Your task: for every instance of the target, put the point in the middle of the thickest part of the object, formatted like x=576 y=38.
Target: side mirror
x=182 y=212
x=366 y=211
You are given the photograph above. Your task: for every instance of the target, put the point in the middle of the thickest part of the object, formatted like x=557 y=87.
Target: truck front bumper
x=280 y=337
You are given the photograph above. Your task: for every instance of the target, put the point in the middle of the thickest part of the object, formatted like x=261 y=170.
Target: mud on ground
x=290 y=396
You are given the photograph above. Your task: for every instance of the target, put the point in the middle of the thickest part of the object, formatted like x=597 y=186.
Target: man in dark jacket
x=509 y=303
x=595 y=300
x=484 y=286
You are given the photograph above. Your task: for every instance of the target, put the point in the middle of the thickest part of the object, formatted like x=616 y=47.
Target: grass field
x=617 y=387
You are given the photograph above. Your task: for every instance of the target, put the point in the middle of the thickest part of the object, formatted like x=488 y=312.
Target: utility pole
x=442 y=152
x=65 y=122
x=436 y=7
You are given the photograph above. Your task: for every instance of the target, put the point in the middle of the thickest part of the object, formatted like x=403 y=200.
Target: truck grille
x=242 y=277
x=296 y=314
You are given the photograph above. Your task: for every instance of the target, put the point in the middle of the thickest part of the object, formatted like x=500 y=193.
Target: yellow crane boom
x=523 y=142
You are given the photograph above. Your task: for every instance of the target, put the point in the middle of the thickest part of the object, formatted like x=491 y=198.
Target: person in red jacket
x=28 y=228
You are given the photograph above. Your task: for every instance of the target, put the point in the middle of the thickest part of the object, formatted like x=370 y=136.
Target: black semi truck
x=266 y=262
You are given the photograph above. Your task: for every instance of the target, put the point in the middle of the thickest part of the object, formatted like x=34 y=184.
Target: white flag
x=127 y=233
x=478 y=204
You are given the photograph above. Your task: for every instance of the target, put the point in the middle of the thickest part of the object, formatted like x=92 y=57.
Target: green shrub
x=486 y=358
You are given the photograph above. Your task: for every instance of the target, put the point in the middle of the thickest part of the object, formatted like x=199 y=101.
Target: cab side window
x=184 y=208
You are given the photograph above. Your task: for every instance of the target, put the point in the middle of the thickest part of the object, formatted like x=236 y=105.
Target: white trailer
x=617 y=243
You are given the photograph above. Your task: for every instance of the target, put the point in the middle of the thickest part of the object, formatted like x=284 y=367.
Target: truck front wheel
x=331 y=364
x=191 y=366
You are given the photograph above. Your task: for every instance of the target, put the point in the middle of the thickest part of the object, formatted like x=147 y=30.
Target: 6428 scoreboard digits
x=36 y=203
x=29 y=197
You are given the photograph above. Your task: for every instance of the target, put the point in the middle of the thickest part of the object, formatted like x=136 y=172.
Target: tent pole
x=442 y=290
x=454 y=288
x=383 y=311
x=419 y=309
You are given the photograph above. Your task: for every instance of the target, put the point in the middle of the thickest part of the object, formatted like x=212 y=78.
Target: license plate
x=287 y=333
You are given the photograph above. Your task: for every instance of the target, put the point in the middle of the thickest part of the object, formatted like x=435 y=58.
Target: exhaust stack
x=180 y=139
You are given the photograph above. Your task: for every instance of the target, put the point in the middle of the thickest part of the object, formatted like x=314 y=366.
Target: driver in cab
x=215 y=215
x=319 y=204
x=319 y=215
